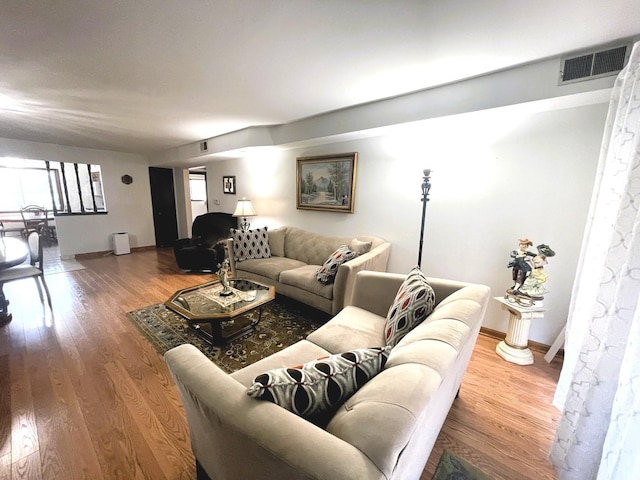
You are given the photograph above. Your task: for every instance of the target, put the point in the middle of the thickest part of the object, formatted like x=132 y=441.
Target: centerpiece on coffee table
x=220 y=318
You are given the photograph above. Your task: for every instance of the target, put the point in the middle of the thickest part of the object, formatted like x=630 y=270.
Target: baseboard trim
x=104 y=253
x=535 y=346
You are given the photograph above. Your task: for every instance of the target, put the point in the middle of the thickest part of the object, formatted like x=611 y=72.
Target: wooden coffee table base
x=218 y=318
x=217 y=334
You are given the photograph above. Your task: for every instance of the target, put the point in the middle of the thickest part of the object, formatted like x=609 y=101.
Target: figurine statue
x=223 y=276
x=520 y=265
x=528 y=274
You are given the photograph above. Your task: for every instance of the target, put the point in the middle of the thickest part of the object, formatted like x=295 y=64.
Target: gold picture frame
x=327 y=182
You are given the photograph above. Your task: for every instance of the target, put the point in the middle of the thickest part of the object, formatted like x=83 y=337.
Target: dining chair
x=35 y=219
x=34 y=269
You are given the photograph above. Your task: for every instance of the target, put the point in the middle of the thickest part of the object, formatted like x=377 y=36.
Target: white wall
x=495 y=178
x=128 y=206
x=183 y=202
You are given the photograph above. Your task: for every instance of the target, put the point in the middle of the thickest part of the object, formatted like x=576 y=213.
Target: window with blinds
x=62 y=187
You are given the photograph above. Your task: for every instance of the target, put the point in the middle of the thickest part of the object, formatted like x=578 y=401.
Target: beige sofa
x=297 y=254
x=386 y=430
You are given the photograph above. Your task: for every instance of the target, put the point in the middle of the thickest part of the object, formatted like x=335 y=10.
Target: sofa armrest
x=236 y=436
x=375 y=260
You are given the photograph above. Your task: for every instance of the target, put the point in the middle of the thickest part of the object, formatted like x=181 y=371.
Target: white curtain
x=598 y=436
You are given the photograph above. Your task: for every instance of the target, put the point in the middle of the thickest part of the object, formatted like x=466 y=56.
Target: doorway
x=163 y=200
x=198 y=192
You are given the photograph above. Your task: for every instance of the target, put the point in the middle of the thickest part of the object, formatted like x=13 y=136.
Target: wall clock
x=127 y=179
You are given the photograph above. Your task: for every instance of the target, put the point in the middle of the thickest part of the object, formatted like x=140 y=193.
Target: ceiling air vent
x=594 y=65
x=204 y=147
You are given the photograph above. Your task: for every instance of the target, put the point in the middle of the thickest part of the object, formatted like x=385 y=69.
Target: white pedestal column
x=515 y=347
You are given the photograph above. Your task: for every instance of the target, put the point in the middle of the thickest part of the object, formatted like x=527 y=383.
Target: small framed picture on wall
x=229 y=184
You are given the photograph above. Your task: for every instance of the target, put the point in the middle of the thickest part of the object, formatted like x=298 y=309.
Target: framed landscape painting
x=327 y=182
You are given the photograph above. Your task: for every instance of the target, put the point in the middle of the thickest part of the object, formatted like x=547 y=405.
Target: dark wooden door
x=163 y=200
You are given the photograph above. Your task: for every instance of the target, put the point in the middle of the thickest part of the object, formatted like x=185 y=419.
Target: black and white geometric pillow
x=250 y=244
x=414 y=302
x=321 y=386
x=327 y=272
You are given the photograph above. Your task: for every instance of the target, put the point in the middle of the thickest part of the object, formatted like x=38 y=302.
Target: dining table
x=13 y=251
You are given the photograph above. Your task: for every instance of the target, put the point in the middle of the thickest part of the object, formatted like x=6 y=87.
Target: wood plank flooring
x=84 y=396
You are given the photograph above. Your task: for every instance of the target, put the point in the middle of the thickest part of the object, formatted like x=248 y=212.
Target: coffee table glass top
x=204 y=302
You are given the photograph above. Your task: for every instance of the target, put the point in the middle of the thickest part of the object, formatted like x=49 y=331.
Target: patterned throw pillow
x=359 y=246
x=250 y=244
x=413 y=303
x=327 y=272
x=319 y=387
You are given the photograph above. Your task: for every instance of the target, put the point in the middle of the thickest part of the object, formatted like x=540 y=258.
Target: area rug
x=283 y=323
x=452 y=467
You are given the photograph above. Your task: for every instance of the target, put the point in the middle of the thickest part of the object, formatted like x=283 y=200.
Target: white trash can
x=121 y=243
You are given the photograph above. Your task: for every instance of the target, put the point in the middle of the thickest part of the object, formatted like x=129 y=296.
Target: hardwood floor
x=503 y=421
x=84 y=395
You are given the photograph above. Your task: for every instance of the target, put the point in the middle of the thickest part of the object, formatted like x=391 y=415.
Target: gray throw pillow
x=276 y=241
x=359 y=246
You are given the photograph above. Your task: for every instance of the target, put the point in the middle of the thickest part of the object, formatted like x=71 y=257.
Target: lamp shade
x=244 y=209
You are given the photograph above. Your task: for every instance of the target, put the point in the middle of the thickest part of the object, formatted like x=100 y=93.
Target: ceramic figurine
x=223 y=276
x=528 y=274
x=520 y=265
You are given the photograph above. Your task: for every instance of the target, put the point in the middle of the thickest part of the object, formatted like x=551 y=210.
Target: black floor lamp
x=426 y=186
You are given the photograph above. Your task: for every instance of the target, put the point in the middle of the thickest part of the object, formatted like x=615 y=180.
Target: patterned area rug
x=284 y=322
x=452 y=467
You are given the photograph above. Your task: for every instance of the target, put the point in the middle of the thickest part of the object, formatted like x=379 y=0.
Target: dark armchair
x=203 y=251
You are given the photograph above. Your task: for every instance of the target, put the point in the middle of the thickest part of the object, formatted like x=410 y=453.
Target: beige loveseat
x=297 y=254
x=386 y=430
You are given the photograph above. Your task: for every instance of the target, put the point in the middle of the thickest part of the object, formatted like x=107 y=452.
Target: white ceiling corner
x=147 y=77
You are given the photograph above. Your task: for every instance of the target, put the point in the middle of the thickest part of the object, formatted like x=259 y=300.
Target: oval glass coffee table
x=219 y=318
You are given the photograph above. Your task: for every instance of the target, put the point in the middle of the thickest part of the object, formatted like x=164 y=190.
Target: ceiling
x=145 y=76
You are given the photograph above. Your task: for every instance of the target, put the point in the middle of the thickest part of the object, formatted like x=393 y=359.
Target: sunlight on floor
x=28 y=306
x=54 y=264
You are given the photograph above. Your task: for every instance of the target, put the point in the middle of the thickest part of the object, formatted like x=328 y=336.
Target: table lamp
x=244 y=209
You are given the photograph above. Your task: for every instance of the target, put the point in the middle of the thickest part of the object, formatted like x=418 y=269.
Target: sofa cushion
x=296 y=354
x=352 y=328
x=305 y=278
x=381 y=418
x=413 y=303
x=327 y=273
x=270 y=267
x=250 y=244
x=311 y=248
x=320 y=386
x=359 y=246
x=276 y=241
